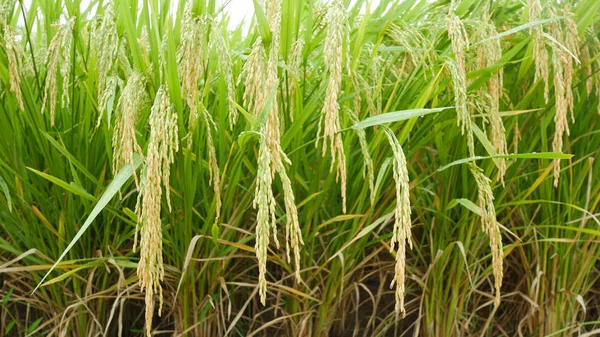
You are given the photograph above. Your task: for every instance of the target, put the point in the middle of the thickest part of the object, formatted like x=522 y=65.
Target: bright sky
x=238 y=11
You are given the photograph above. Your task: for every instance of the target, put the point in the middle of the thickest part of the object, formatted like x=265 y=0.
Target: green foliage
x=65 y=214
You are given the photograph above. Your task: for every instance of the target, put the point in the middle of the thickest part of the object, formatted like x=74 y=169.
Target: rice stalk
x=402 y=222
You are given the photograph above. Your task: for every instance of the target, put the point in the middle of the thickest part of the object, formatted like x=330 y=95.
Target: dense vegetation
x=419 y=168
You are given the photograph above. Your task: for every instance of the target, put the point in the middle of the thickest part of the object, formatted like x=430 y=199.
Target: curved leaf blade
x=112 y=189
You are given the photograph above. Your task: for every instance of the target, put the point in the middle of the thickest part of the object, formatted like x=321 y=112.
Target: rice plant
x=328 y=168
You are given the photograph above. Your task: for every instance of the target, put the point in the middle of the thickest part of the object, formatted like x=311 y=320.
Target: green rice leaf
x=112 y=189
x=6 y=193
x=520 y=28
x=72 y=187
x=533 y=155
x=395 y=116
x=263 y=24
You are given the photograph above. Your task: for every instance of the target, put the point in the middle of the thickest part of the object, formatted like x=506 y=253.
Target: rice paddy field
x=327 y=168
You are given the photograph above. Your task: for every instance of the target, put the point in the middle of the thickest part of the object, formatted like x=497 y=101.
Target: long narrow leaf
x=395 y=116
x=112 y=189
x=533 y=155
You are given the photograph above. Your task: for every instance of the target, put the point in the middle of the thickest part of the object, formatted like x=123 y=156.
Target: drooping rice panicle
x=459 y=86
x=124 y=140
x=123 y=60
x=6 y=7
x=368 y=170
x=14 y=52
x=213 y=167
x=295 y=74
x=571 y=39
x=272 y=131
x=587 y=70
x=106 y=44
x=293 y=234
x=190 y=61
x=254 y=69
x=540 y=54
x=402 y=222
x=264 y=203
x=272 y=127
x=488 y=54
x=490 y=226
x=460 y=42
x=271 y=157
x=329 y=123
x=563 y=72
x=110 y=90
x=371 y=63
x=162 y=146
x=60 y=47
x=596 y=44
x=225 y=68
